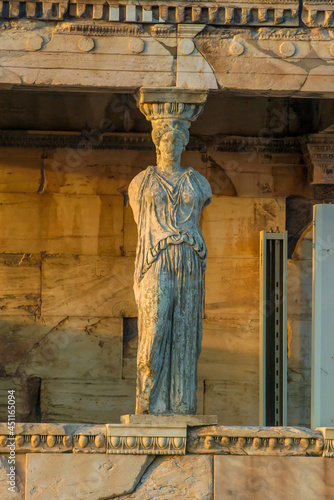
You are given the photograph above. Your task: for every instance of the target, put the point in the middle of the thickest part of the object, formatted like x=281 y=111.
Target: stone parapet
x=76 y=461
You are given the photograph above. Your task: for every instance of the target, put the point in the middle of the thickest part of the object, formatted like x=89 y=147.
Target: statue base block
x=173 y=420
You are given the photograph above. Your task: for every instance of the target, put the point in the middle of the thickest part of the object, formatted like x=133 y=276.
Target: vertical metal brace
x=273 y=328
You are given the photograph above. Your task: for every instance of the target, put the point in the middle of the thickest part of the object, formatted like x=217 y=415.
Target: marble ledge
x=167 y=438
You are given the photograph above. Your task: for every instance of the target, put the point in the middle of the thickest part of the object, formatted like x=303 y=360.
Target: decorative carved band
x=239 y=13
x=138 y=142
x=316 y=13
x=54 y=438
x=242 y=12
x=147 y=439
x=167 y=440
x=259 y=145
x=147 y=445
x=33 y=9
x=143 y=142
x=280 y=441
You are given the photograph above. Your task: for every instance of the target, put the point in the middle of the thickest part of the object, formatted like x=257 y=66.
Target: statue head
x=170 y=137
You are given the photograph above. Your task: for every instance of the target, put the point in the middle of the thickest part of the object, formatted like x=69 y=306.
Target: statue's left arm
x=206 y=190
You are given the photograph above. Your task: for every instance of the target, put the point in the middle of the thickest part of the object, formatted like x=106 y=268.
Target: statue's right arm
x=133 y=193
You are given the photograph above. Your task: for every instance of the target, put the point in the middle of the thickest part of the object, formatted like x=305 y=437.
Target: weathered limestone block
x=92 y=59
x=299 y=396
x=104 y=172
x=273 y=478
x=56 y=347
x=20 y=170
x=20 y=277
x=87 y=400
x=299 y=344
x=70 y=282
x=231 y=225
x=271 y=56
x=76 y=347
x=193 y=70
x=235 y=402
x=300 y=289
x=254 y=172
x=187 y=478
x=231 y=289
x=17 y=336
x=61 y=224
x=220 y=440
x=229 y=350
x=26 y=398
x=93 y=477
x=19 y=488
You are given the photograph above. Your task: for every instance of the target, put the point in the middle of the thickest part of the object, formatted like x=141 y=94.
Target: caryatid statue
x=167 y=201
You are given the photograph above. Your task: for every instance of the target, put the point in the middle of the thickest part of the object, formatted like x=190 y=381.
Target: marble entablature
x=94 y=54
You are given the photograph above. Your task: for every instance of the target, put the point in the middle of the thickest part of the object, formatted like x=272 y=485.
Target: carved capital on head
x=171 y=110
x=171 y=103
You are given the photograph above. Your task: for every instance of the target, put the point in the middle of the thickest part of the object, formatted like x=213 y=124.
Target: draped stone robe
x=170 y=262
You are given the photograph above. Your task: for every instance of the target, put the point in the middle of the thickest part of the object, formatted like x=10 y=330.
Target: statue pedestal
x=170 y=420
x=154 y=434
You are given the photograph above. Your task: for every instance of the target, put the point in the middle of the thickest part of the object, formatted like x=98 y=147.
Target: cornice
x=314 y=13
x=240 y=12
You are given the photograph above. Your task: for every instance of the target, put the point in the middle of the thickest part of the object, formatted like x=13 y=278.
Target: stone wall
x=68 y=328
